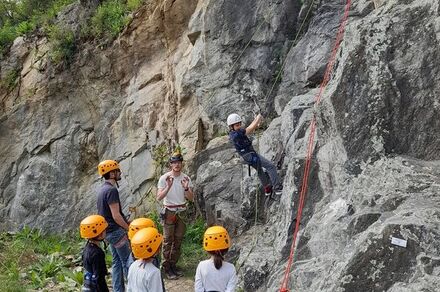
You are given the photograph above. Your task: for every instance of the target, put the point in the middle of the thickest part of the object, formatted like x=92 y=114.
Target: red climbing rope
x=310 y=146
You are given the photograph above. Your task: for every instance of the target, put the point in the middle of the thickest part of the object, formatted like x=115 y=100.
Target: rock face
x=174 y=75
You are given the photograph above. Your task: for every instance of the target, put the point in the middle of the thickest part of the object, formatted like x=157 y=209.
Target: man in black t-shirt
x=109 y=206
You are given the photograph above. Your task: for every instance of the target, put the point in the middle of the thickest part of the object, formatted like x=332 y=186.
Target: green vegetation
x=109 y=20
x=63 y=44
x=22 y=17
x=111 y=17
x=33 y=260
x=7 y=36
x=11 y=79
x=19 y=18
x=192 y=249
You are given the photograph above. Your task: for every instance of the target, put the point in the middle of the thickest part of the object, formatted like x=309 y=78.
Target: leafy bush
x=109 y=20
x=31 y=259
x=46 y=269
x=63 y=44
x=7 y=36
x=31 y=7
x=21 y=17
x=195 y=231
x=52 y=11
x=25 y=27
x=76 y=276
x=192 y=250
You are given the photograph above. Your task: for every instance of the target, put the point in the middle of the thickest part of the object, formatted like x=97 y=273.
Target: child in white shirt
x=215 y=274
x=143 y=275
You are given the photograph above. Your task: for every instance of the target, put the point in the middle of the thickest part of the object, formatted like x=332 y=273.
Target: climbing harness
x=310 y=148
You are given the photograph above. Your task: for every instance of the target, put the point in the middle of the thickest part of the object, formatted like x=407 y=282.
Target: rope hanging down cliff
x=304 y=185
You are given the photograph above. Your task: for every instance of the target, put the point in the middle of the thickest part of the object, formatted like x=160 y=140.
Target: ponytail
x=218 y=260
x=219 y=257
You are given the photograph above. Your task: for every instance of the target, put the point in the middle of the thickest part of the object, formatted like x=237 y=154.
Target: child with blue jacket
x=238 y=136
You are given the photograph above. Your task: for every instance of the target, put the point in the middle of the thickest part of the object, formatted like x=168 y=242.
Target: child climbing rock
x=239 y=138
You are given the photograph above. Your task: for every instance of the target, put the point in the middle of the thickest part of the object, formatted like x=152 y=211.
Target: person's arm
x=100 y=270
x=198 y=284
x=232 y=283
x=255 y=123
x=99 y=264
x=114 y=208
x=189 y=195
x=155 y=283
x=163 y=191
x=187 y=187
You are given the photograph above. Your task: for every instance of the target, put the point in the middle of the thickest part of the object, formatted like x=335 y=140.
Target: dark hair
x=219 y=256
x=107 y=175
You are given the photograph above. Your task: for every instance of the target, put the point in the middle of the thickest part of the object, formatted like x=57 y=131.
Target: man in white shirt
x=174 y=188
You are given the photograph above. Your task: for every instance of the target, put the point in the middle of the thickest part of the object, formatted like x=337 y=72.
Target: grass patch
x=32 y=260
x=192 y=248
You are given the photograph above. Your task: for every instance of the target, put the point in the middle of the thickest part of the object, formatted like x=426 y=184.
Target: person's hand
x=169 y=181
x=185 y=182
x=259 y=119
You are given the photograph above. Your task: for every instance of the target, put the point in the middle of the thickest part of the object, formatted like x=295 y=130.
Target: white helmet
x=233 y=119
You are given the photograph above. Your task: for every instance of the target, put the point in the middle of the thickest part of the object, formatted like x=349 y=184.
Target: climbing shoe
x=268 y=190
x=278 y=190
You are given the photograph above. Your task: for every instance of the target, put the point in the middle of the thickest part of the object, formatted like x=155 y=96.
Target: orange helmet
x=145 y=243
x=106 y=166
x=138 y=224
x=216 y=238
x=92 y=226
